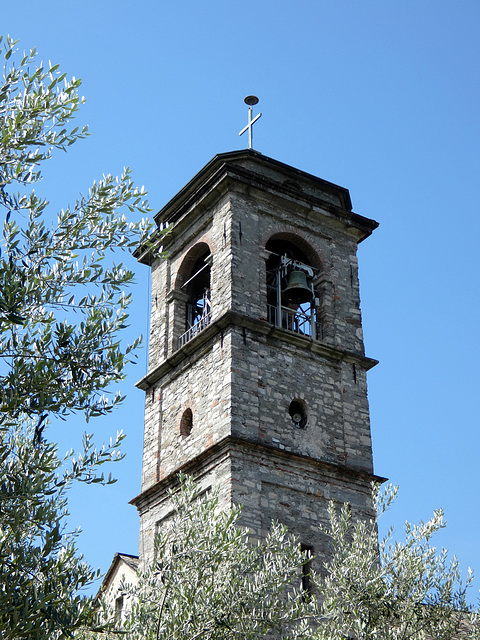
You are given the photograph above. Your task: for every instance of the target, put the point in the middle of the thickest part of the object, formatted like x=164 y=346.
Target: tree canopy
x=212 y=579
x=390 y=589
x=63 y=307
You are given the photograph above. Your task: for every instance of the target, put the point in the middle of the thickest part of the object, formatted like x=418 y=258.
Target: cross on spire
x=250 y=100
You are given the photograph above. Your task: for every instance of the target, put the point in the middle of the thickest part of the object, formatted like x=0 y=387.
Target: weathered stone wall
x=240 y=374
x=205 y=387
x=163 y=447
x=210 y=228
x=269 y=373
x=294 y=492
x=202 y=383
x=156 y=509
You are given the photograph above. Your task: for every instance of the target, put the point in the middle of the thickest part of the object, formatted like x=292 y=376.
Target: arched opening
x=195 y=283
x=198 y=291
x=291 y=295
x=186 y=423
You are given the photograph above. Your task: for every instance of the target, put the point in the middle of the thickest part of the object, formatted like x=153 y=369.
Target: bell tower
x=257 y=373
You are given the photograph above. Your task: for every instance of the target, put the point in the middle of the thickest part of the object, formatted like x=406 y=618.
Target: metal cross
x=250 y=100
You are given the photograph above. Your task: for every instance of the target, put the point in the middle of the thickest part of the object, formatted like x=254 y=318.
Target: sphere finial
x=251 y=100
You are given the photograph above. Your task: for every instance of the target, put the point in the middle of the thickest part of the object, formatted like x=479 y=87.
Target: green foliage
x=389 y=590
x=63 y=307
x=62 y=296
x=212 y=579
x=41 y=572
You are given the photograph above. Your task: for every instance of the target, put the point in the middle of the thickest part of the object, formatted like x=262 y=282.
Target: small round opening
x=298 y=413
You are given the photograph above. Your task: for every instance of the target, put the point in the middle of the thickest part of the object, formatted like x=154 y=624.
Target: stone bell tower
x=257 y=373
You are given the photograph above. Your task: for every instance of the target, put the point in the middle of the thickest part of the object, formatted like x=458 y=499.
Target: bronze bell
x=297 y=290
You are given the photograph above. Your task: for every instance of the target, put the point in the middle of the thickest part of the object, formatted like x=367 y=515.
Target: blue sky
x=378 y=96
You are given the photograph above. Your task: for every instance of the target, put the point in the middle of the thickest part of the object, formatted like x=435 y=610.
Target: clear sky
x=381 y=97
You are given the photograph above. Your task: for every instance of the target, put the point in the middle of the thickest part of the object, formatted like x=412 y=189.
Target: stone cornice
x=224 y=449
x=256 y=170
x=258 y=326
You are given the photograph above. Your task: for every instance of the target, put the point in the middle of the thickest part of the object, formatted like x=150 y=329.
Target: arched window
x=186 y=422
x=198 y=291
x=195 y=274
x=291 y=297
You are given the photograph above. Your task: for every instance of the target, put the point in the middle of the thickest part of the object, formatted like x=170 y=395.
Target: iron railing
x=190 y=333
x=302 y=322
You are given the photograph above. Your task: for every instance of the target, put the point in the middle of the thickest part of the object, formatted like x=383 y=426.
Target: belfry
x=256 y=381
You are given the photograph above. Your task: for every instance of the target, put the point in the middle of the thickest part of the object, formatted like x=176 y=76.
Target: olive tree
x=63 y=306
x=390 y=589
x=212 y=579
